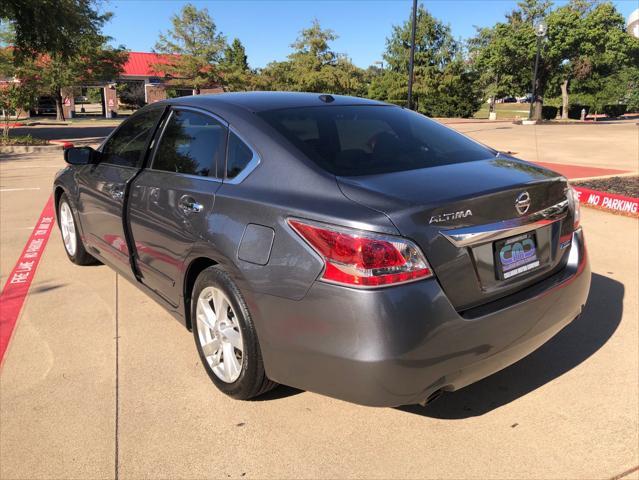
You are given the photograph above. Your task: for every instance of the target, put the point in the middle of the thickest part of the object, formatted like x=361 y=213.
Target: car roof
x=262 y=101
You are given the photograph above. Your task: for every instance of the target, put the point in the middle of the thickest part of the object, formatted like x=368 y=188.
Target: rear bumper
x=399 y=345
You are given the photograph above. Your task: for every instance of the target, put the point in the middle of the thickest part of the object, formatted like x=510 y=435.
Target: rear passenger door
x=171 y=201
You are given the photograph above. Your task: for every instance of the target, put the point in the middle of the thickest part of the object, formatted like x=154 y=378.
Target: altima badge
x=522 y=204
x=445 y=217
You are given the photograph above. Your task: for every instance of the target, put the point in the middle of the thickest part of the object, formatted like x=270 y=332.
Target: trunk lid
x=473 y=201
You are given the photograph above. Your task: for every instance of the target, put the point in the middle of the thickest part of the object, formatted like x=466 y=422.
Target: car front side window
x=127 y=144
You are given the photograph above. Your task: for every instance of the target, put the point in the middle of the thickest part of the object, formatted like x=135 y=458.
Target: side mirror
x=80 y=155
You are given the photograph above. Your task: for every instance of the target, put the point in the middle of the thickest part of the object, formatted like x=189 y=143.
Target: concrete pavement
x=607 y=145
x=89 y=383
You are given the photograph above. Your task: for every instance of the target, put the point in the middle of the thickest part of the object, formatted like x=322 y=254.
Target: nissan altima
x=334 y=244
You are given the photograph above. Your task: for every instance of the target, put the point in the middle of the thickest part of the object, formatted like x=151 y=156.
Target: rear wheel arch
x=196 y=267
x=56 y=197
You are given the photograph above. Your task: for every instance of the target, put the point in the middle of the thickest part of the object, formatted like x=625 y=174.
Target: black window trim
x=160 y=135
x=250 y=166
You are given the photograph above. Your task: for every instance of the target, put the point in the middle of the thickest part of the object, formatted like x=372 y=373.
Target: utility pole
x=411 y=60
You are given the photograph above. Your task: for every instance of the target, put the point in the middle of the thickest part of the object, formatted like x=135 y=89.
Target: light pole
x=540 y=32
x=411 y=59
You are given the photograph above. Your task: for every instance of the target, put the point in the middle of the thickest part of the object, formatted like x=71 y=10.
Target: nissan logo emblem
x=522 y=204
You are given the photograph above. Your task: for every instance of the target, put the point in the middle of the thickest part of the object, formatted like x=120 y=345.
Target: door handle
x=116 y=192
x=188 y=205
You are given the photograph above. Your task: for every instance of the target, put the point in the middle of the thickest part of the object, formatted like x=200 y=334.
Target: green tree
x=16 y=94
x=55 y=27
x=503 y=55
x=587 y=48
x=235 y=55
x=58 y=44
x=443 y=85
x=487 y=51
x=94 y=61
x=314 y=67
x=14 y=98
x=193 y=47
x=234 y=67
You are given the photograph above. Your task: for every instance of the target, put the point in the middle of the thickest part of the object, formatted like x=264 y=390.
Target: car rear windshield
x=372 y=139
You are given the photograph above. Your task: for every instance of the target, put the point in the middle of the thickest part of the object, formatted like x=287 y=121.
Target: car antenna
x=327 y=98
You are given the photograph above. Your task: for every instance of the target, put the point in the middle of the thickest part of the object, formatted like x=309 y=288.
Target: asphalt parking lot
x=98 y=379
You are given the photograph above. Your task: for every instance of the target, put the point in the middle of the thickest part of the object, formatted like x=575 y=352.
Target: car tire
x=73 y=246
x=225 y=336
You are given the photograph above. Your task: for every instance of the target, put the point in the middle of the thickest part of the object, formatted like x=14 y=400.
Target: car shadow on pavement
x=570 y=347
x=281 y=391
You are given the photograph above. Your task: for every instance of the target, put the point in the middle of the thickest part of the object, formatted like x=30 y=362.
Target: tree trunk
x=491 y=107
x=59 y=110
x=565 y=105
x=537 y=110
x=5 y=128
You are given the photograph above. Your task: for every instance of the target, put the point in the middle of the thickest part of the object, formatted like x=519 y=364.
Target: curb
x=30 y=148
x=609 y=202
x=55 y=145
x=64 y=143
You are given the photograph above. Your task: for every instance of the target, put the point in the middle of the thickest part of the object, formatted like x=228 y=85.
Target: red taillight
x=573 y=199
x=358 y=258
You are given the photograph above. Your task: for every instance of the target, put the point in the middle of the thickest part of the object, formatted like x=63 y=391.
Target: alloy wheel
x=67 y=225
x=219 y=334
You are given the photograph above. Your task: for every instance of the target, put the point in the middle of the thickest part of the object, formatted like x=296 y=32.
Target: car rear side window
x=372 y=139
x=126 y=145
x=238 y=157
x=192 y=143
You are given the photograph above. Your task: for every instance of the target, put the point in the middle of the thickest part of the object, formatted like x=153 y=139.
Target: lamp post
x=411 y=60
x=540 y=32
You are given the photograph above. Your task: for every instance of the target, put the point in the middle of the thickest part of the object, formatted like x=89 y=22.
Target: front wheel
x=225 y=336
x=70 y=237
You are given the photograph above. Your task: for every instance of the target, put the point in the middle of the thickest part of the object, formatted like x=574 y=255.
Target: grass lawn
x=505 y=111
x=22 y=140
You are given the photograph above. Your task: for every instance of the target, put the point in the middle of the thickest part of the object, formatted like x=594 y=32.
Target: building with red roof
x=141 y=70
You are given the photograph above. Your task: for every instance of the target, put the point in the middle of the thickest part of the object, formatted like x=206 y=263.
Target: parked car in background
x=44 y=106
x=335 y=244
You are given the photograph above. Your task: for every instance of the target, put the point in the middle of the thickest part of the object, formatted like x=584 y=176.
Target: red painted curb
x=608 y=201
x=16 y=289
x=12 y=125
x=580 y=171
x=473 y=122
x=65 y=143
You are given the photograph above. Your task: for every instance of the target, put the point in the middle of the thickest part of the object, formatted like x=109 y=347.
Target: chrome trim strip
x=185 y=175
x=464 y=237
x=215 y=116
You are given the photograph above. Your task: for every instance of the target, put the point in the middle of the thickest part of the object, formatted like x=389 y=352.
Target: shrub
x=549 y=112
x=574 y=111
x=614 y=111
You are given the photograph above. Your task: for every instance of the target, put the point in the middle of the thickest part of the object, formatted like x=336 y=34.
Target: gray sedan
x=335 y=244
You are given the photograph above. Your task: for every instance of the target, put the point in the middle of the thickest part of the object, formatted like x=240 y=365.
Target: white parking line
x=18 y=189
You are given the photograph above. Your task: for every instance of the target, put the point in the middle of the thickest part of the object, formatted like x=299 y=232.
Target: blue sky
x=267 y=28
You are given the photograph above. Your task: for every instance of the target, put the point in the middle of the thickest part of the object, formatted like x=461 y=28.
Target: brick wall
x=155 y=93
